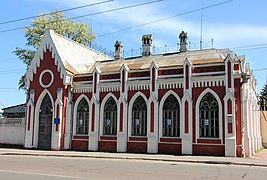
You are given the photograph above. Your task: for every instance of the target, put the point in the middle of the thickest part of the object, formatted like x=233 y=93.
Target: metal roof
x=79 y=59
x=76 y=57
x=197 y=57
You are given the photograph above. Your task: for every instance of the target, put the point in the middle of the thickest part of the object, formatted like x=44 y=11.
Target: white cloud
x=224 y=34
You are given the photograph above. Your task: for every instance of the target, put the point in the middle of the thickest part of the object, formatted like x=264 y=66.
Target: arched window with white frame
x=171 y=117
x=209 y=117
x=82 y=117
x=139 y=117
x=110 y=117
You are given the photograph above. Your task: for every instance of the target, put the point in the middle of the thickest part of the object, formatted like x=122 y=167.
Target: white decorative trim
x=109 y=80
x=46 y=43
x=75 y=113
x=36 y=119
x=170 y=85
x=125 y=93
x=130 y=111
x=109 y=87
x=138 y=85
x=229 y=59
x=210 y=64
x=41 y=78
x=208 y=73
x=163 y=99
x=188 y=63
x=82 y=88
x=208 y=90
x=208 y=83
x=170 y=76
x=156 y=67
x=102 y=111
x=138 y=78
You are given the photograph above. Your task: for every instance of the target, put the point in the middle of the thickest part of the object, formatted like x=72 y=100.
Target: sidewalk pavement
x=260 y=159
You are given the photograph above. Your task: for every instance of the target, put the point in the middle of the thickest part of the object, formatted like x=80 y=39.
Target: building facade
x=189 y=102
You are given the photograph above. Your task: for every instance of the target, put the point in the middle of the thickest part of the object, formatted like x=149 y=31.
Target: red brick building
x=189 y=102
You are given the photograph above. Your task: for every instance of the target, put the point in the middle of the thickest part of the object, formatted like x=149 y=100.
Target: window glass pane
x=209 y=117
x=82 y=117
x=139 y=117
x=110 y=117
x=171 y=117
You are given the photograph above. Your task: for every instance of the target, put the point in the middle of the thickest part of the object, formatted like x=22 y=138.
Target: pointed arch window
x=171 y=117
x=139 y=117
x=82 y=117
x=209 y=117
x=110 y=117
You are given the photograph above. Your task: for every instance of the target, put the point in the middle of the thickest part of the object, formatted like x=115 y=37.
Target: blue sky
x=234 y=24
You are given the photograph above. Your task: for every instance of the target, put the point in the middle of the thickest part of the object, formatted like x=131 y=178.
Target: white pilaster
x=29 y=117
x=94 y=123
x=56 y=135
x=69 y=119
x=153 y=138
x=123 y=135
x=152 y=129
x=187 y=137
x=230 y=138
x=93 y=134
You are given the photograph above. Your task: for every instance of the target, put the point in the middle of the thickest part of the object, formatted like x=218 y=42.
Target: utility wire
x=91 y=14
x=163 y=19
x=65 y=10
x=2 y=105
x=143 y=23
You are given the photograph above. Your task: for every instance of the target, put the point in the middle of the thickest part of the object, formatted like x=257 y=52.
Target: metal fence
x=11 y=121
x=155 y=50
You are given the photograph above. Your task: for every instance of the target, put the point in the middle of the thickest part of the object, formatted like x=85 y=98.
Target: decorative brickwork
x=139 y=74
x=110 y=76
x=206 y=69
x=170 y=72
x=83 y=78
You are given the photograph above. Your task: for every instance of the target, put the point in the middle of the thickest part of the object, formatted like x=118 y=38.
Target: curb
x=140 y=158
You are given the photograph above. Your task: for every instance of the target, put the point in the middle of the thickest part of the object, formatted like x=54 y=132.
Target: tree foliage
x=263 y=97
x=58 y=22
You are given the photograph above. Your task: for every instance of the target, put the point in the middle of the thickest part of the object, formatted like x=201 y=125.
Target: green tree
x=263 y=98
x=58 y=22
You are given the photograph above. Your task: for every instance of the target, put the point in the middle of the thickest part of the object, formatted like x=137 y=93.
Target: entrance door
x=45 y=124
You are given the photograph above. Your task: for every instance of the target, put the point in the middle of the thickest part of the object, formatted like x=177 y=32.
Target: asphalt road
x=57 y=168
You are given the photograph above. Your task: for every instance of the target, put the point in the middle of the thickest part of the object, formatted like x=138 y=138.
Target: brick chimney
x=147 y=45
x=183 y=41
x=118 y=50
